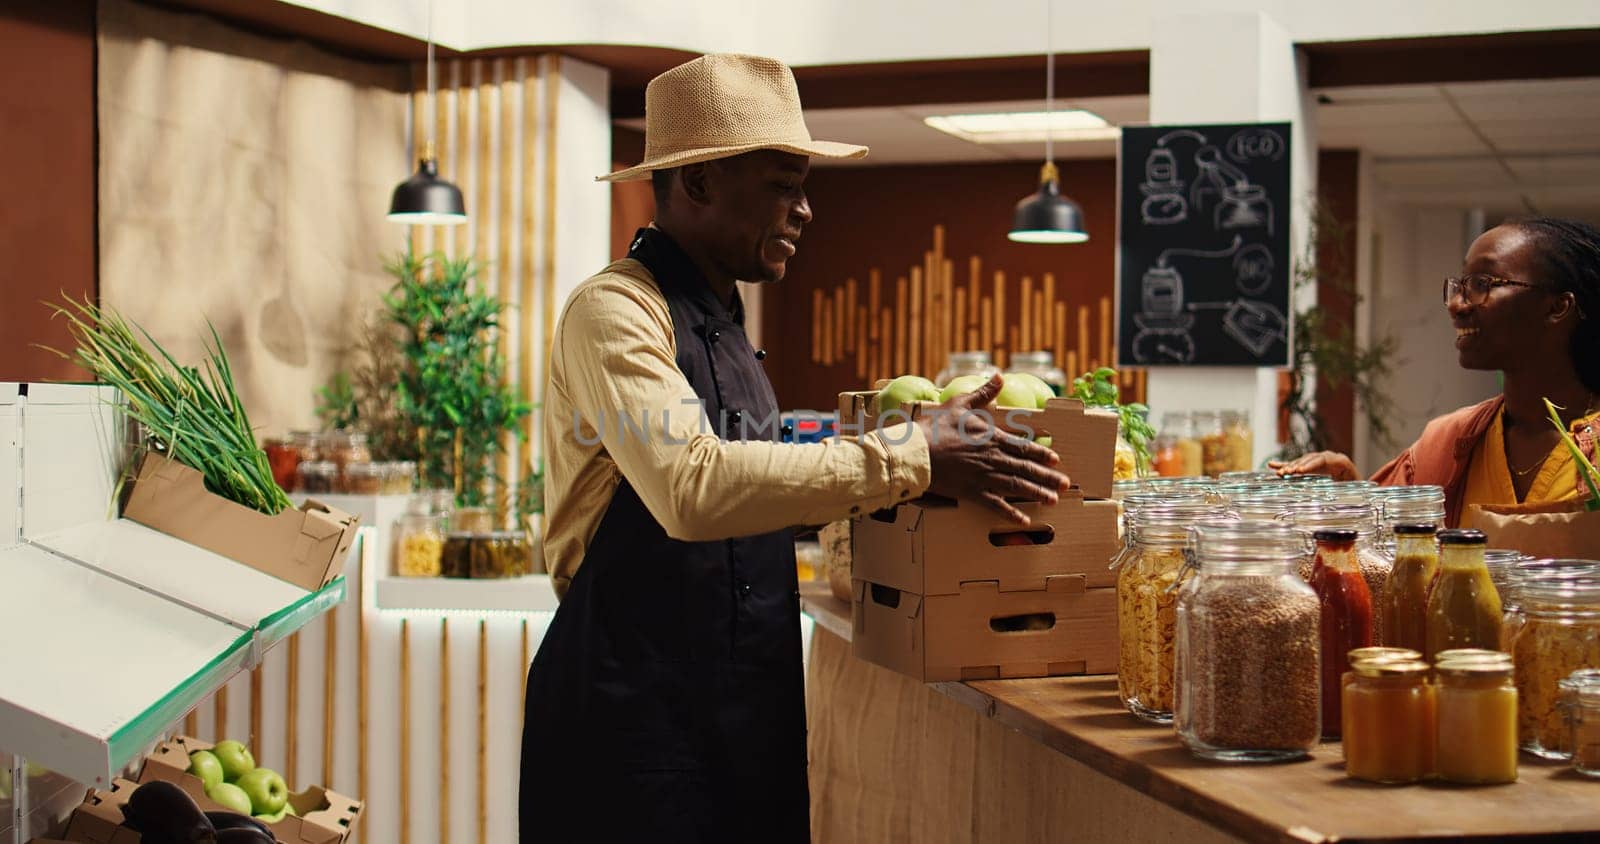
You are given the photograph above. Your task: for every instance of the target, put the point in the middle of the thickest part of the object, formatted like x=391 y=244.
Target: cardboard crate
x=306 y=547
x=1085 y=438
x=954 y=637
x=325 y=817
x=932 y=546
x=98 y=820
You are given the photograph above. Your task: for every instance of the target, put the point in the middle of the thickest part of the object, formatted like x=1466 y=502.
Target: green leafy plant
x=336 y=403
x=1326 y=350
x=1587 y=470
x=1099 y=389
x=192 y=414
x=452 y=387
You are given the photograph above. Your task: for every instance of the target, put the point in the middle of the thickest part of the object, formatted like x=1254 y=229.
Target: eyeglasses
x=1476 y=287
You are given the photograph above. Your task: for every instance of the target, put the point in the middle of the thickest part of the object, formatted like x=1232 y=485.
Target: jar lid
x=1579 y=679
x=1251 y=476
x=506 y=534
x=465 y=534
x=1459 y=536
x=1382 y=653
x=318 y=466
x=1311 y=515
x=1415 y=529
x=1465 y=653
x=1390 y=668
x=1339 y=535
x=364 y=470
x=1042 y=358
x=1309 y=479
x=1250 y=542
x=1476 y=666
x=1577 y=590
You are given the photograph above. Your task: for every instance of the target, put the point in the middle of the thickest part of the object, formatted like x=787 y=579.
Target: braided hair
x=1569 y=255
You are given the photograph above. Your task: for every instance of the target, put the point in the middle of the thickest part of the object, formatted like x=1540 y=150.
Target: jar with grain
x=1560 y=634
x=1389 y=725
x=1248 y=686
x=363 y=479
x=1463 y=606
x=419 y=543
x=1316 y=514
x=1586 y=730
x=1147 y=604
x=318 y=476
x=1477 y=705
x=1346 y=617
x=1404 y=599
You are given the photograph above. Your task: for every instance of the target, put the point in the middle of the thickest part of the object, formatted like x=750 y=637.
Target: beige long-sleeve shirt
x=614 y=353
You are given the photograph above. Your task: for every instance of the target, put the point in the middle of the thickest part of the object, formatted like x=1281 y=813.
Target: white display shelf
x=532 y=593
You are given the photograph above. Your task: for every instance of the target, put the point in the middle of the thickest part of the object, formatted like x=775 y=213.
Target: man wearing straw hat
x=666 y=701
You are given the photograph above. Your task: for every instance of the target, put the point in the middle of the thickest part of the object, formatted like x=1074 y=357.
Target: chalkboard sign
x=1203 y=269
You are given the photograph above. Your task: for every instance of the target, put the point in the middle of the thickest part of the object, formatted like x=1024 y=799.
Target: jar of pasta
x=418 y=542
x=1560 y=634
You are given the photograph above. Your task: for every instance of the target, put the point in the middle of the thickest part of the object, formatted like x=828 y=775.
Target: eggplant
x=162 y=812
x=234 y=820
x=244 y=835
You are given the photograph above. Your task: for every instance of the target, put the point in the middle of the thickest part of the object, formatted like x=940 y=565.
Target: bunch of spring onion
x=192 y=415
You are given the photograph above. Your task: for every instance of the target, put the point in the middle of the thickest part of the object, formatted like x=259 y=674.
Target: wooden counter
x=1059 y=758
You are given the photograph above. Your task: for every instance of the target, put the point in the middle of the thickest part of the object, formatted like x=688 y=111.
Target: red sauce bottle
x=1346 y=615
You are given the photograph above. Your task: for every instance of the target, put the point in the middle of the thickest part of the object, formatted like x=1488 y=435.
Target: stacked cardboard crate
x=947 y=590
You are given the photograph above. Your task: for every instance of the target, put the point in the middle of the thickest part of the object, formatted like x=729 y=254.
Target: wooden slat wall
x=913 y=327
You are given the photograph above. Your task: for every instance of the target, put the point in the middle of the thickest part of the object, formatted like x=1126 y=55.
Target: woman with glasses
x=1527 y=303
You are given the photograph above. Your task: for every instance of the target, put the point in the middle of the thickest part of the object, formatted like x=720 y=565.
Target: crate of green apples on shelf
x=224 y=776
x=159 y=812
x=1084 y=437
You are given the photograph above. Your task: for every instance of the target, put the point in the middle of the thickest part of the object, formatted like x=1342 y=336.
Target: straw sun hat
x=722 y=105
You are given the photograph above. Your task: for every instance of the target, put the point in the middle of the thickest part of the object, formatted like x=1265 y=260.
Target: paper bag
x=1558 y=530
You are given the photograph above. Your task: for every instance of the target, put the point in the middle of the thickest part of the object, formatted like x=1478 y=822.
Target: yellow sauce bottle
x=1463 y=606
x=1477 y=715
x=1403 y=607
x=1389 y=722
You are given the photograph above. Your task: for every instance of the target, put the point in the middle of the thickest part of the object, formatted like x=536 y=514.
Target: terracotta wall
x=885 y=218
x=1338 y=189
x=47 y=143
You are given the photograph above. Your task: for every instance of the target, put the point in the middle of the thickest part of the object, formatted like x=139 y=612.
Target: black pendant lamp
x=1046 y=216
x=425 y=199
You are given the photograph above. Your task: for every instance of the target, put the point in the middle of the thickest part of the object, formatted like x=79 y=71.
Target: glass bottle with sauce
x=1405 y=593
x=1248 y=684
x=1477 y=715
x=1389 y=722
x=1312 y=513
x=966 y=363
x=1463 y=606
x=1346 y=616
x=1560 y=634
x=1041 y=364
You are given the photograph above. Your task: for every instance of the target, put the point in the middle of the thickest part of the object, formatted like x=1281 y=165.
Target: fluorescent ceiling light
x=1025 y=126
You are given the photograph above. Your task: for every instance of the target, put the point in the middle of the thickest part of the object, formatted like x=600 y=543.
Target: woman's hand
x=1330 y=463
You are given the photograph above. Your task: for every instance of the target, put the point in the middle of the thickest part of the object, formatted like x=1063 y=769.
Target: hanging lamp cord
x=1049 y=80
x=428 y=151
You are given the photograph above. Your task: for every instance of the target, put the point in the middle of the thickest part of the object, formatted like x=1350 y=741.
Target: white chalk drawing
x=1256 y=144
x=1253 y=269
x=1235 y=202
x=1163 y=325
x=1252 y=323
x=1164 y=203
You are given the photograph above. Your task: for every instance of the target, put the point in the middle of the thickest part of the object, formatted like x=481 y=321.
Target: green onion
x=1586 y=469
x=193 y=415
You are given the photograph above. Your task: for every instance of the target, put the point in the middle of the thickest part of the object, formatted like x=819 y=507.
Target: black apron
x=666 y=702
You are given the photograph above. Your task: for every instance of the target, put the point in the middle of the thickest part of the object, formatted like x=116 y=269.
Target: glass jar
x=1190 y=453
x=1042 y=365
x=1120 y=490
x=283 y=456
x=1346 y=617
x=1248 y=672
x=318 y=476
x=1311 y=515
x=1465 y=653
x=1586 y=730
x=1477 y=705
x=346 y=447
x=1529 y=570
x=418 y=542
x=1560 y=634
x=1249 y=476
x=1568 y=698
x=1213 y=443
x=1389 y=721
x=1502 y=563
x=1146 y=604
x=455 y=558
x=1404 y=599
x=399 y=477
x=473 y=519
x=1351 y=492
x=1238 y=442
x=310 y=444
x=1463 y=606
x=363 y=479
x=499 y=554
x=966 y=363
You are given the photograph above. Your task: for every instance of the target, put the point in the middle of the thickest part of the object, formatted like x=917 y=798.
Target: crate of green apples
x=159 y=812
x=225 y=776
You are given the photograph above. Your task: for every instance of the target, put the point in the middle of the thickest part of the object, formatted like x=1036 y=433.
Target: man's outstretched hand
x=973 y=458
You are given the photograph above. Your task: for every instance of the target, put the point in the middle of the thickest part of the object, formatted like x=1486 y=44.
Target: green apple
x=267 y=790
x=5 y=783
x=1015 y=392
x=906 y=389
x=235 y=759
x=289 y=808
x=961 y=386
x=205 y=765
x=230 y=797
x=275 y=816
x=1044 y=441
x=1041 y=391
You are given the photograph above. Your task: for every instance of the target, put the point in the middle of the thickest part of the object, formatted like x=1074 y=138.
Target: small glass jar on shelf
x=345 y=448
x=966 y=363
x=500 y=554
x=283 y=457
x=419 y=540
x=310 y=444
x=1585 y=720
x=455 y=557
x=1175 y=452
x=1042 y=365
x=363 y=479
x=472 y=519
x=399 y=477
x=1248 y=685
x=1238 y=442
x=318 y=477
x=1213 y=443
